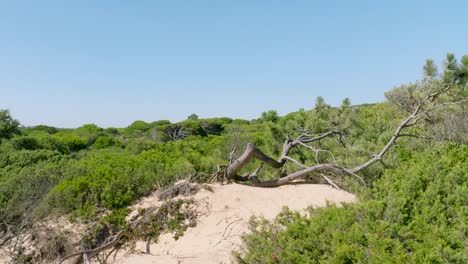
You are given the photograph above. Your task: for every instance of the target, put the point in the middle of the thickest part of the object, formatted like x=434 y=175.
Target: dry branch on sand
x=174 y=215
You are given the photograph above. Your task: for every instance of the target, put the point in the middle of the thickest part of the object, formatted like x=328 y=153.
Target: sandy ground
x=224 y=218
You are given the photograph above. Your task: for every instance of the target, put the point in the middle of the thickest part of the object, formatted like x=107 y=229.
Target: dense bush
x=105 y=142
x=25 y=142
x=138 y=127
x=415 y=214
x=111 y=179
x=41 y=128
x=11 y=162
x=24 y=182
x=8 y=125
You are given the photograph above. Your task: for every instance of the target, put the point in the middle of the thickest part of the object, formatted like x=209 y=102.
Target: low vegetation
x=413 y=202
x=416 y=213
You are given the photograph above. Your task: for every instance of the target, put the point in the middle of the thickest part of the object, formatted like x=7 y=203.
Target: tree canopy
x=8 y=125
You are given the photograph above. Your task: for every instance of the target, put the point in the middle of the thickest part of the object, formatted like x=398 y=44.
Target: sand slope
x=224 y=217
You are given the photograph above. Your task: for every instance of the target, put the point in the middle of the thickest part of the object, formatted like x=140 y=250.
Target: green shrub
x=74 y=143
x=21 y=191
x=105 y=142
x=111 y=131
x=106 y=180
x=25 y=142
x=14 y=161
x=62 y=142
x=48 y=129
x=138 y=127
x=415 y=214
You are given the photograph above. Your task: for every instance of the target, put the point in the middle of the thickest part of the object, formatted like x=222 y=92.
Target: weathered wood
x=251 y=152
x=87 y=254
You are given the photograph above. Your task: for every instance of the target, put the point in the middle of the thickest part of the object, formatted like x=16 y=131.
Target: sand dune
x=224 y=218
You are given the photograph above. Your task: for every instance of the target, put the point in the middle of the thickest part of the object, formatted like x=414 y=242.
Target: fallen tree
x=418 y=100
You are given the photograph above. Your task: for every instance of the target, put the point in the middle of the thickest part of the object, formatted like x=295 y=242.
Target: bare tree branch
x=251 y=152
x=329 y=181
x=93 y=252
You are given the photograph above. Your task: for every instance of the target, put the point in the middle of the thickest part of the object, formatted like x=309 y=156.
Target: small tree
x=192 y=117
x=270 y=116
x=320 y=104
x=8 y=125
x=346 y=103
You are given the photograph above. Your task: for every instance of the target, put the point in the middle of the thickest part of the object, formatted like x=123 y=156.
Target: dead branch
x=252 y=152
x=329 y=181
x=231 y=170
x=87 y=254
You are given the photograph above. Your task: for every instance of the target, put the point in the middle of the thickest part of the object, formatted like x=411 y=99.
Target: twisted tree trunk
x=231 y=170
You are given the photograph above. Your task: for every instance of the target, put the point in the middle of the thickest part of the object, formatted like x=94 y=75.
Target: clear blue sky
x=109 y=62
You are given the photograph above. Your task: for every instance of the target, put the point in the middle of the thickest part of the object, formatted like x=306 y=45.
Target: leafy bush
x=22 y=189
x=62 y=142
x=138 y=126
x=8 y=125
x=102 y=180
x=105 y=142
x=415 y=214
x=48 y=129
x=73 y=143
x=25 y=142
x=14 y=161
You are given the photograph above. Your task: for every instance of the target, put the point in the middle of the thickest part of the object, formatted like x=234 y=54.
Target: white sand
x=224 y=218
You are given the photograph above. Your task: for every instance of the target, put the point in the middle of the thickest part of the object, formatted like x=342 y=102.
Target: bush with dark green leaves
x=8 y=125
x=105 y=142
x=416 y=213
x=25 y=142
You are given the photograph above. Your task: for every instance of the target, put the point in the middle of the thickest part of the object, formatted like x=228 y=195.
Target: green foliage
x=192 y=117
x=111 y=179
x=346 y=104
x=26 y=177
x=8 y=125
x=73 y=143
x=25 y=142
x=105 y=142
x=11 y=162
x=415 y=214
x=320 y=104
x=41 y=128
x=160 y=123
x=90 y=132
x=138 y=127
x=447 y=123
x=430 y=69
x=102 y=180
x=117 y=219
x=413 y=211
x=215 y=126
x=270 y=116
x=112 y=131
x=62 y=142
x=88 y=129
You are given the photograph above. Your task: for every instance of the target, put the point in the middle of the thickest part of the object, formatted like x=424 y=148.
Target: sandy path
x=225 y=216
